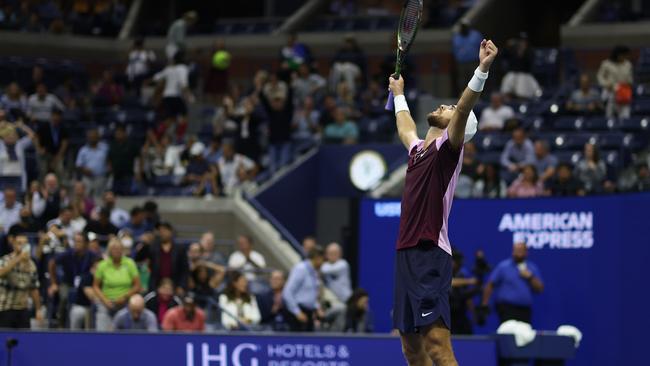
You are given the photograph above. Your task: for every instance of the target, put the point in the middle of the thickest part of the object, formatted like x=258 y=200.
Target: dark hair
x=120 y=126
x=596 y=152
x=165 y=225
x=179 y=57
x=166 y=281
x=352 y=312
x=316 y=252
x=532 y=167
x=138 y=42
x=136 y=211
x=150 y=206
x=230 y=291
x=618 y=51
x=65 y=208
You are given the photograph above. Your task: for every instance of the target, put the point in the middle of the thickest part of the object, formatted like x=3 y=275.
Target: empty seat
x=493 y=141
x=568 y=156
x=609 y=140
x=571 y=141
x=600 y=124
x=569 y=123
x=636 y=124
x=641 y=106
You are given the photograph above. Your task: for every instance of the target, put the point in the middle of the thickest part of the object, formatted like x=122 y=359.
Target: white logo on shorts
x=424 y=315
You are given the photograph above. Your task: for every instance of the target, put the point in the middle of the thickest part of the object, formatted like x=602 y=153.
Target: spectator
x=14 y=101
x=200 y=176
x=489 y=184
x=119 y=217
x=12 y=154
x=591 y=170
x=46 y=202
x=545 y=162
x=336 y=272
x=308 y=243
x=167 y=259
x=80 y=200
x=151 y=213
x=122 y=159
x=514 y=281
x=238 y=307
x=277 y=100
x=74 y=263
x=519 y=81
x=41 y=104
x=139 y=65
x=358 y=316
x=294 y=54
x=272 y=306
x=194 y=256
x=64 y=223
x=91 y=163
x=518 y=152
x=186 y=318
x=80 y=311
x=102 y=228
x=135 y=316
x=470 y=171
x=138 y=224
x=245 y=259
x=174 y=79
x=464 y=43
x=116 y=280
x=234 y=168
x=18 y=282
x=9 y=210
x=162 y=300
x=301 y=292
x=205 y=281
x=343 y=130
x=209 y=249
x=305 y=124
x=328 y=110
x=460 y=298
x=639 y=182
x=307 y=83
x=52 y=145
x=585 y=99
x=615 y=77
x=495 y=116
x=375 y=124
x=107 y=92
x=348 y=66
x=563 y=183
x=25 y=225
x=527 y=185
x=178 y=32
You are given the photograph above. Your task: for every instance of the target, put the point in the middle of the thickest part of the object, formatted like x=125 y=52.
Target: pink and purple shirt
x=431 y=179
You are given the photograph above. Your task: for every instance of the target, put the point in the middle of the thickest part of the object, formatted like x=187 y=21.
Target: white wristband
x=400 y=104
x=478 y=80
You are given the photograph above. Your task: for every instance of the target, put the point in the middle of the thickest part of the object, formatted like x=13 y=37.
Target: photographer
x=18 y=282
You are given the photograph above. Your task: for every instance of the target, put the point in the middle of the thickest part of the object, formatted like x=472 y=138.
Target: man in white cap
x=200 y=176
x=423 y=261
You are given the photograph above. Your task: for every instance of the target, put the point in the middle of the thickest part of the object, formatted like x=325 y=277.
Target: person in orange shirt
x=186 y=318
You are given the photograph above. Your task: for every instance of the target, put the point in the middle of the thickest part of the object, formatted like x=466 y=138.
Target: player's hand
x=396 y=85
x=487 y=53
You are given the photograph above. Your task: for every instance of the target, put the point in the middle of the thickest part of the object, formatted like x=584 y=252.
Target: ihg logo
x=237 y=355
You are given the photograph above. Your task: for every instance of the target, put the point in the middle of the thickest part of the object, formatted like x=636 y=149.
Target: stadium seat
x=490 y=157
x=569 y=123
x=600 y=124
x=636 y=124
x=491 y=142
x=571 y=141
x=609 y=140
x=568 y=156
x=641 y=106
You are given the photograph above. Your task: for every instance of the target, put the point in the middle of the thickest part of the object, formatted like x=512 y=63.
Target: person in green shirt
x=343 y=130
x=116 y=280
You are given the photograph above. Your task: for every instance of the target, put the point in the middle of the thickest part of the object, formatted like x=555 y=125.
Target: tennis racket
x=409 y=22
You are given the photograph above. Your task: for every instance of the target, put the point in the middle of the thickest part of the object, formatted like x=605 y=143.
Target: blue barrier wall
x=592 y=253
x=103 y=349
x=293 y=199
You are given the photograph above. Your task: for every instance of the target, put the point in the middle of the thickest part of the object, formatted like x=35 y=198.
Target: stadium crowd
x=87 y=17
x=92 y=265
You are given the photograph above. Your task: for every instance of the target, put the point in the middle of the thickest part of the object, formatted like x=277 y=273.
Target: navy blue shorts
x=422 y=287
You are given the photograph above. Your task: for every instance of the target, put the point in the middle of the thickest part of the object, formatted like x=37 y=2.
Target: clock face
x=367 y=168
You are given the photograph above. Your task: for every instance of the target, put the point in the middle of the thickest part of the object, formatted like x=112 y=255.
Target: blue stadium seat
x=572 y=141
x=10 y=182
x=641 y=106
x=569 y=123
x=490 y=157
x=636 y=124
x=600 y=124
x=609 y=140
x=613 y=159
x=533 y=123
x=568 y=156
x=493 y=141
x=635 y=142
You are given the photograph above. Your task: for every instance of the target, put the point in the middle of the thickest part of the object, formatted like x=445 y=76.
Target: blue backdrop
x=591 y=252
x=135 y=349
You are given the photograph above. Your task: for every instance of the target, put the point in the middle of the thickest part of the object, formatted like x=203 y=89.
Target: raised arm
x=456 y=129
x=405 y=124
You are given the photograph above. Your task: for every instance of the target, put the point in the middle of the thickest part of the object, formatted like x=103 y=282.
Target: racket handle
x=390 y=103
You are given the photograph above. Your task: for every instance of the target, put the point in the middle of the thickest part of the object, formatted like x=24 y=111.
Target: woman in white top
x=238 y=306
x=615 y=76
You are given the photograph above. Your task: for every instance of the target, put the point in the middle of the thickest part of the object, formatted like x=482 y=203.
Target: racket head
x=409 y=23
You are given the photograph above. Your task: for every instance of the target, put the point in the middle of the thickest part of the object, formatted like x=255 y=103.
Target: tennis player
x=423 y=262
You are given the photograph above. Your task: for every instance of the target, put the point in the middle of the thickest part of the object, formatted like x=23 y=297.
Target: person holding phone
x=18 y=282
x=513 y=282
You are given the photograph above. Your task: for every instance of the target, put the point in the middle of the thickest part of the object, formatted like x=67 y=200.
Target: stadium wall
x=592 y=253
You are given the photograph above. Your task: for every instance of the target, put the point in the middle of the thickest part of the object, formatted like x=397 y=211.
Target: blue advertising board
x=178 y=349
x=592 y=253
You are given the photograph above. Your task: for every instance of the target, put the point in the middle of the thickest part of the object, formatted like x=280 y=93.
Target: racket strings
x=409 y=22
